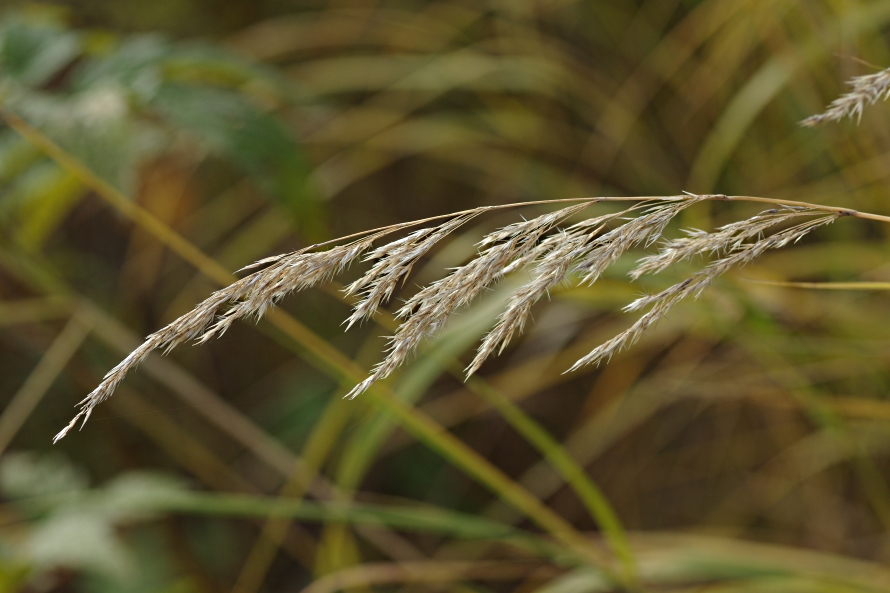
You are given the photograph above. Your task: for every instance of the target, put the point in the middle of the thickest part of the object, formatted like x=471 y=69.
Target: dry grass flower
x=427 y=311
x=728 y=240
x=551 y=255
x=866 y=90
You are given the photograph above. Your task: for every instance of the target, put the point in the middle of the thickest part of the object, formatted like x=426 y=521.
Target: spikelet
x=427 y=311
x=588 y=252
x=553 y=259
x=726 y=238
x=251 y=295
x=739 y=254
x=866 y=90
x=394 y=262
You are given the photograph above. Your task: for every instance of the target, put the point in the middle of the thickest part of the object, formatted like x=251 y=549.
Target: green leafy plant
x=115 y=104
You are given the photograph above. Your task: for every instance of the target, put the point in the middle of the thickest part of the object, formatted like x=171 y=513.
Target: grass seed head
x=553 y=255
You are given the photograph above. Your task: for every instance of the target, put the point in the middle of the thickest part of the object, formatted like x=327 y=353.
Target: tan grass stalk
x=583 y=251
x=866 y=90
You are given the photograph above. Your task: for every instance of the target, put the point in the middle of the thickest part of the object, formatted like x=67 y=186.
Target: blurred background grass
x=743 y=445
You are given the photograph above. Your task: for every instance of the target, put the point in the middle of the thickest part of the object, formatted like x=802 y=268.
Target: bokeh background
x=742 y=445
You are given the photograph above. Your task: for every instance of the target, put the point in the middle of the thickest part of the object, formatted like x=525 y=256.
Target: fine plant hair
x=549 y=248
x=866 y=90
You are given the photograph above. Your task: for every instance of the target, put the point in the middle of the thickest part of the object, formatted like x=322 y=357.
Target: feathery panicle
x=726 y=238
x=292 y=273
x=739 y=254
x=252 y=295
x=866 y=90
x=427 y=311
x=588 y=252
x=586 y=248
x=644 y=229
x=394 y=262
x=552 y=261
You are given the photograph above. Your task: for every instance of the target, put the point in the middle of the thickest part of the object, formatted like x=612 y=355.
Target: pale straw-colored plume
x=426 y=312
x=550 y=248
x=729 y=241
x=552 y=260
x=580 y=249
x=727 y=238
x=394 y=262
x=249 y=296
x=866 y=90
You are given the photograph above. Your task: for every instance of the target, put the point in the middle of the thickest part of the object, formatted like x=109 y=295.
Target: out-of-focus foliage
x=743 y=444
x=67 y=527
x=117 y=103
